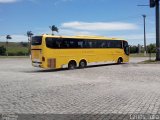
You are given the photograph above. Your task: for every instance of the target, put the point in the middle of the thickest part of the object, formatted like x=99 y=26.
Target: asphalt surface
x=106 y=89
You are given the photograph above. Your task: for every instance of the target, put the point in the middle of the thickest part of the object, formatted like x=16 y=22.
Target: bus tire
x=120 y=60
x=72 y=65
x=82 y=64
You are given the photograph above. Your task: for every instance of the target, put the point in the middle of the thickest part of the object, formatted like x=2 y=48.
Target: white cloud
x=15 y=38
x=70 y=32
x=138 y=38
x=19 y=38
x=13 y=1
x=133 y=39
x=105 y=26
x=8 y=1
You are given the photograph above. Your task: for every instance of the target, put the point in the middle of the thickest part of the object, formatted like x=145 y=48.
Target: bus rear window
x=37 y=40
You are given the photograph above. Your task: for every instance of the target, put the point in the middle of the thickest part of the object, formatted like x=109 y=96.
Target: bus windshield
x=36 y=40
x=126 y=47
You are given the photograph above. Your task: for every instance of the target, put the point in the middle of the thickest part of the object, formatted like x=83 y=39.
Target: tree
x=133 y=49
x=24 y=44
x=151 y=48
x=53 y=28
x=7 y=38
x=2 y=50
x=29 y=34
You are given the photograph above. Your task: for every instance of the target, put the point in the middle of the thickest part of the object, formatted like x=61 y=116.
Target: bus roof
x=84 y=36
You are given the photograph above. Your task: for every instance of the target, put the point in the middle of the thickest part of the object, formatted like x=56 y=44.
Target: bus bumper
x=36 y=64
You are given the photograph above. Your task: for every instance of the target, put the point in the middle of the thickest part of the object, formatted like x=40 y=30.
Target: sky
x=110 y=18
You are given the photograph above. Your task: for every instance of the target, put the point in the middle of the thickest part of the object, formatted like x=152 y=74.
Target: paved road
x=117 y=89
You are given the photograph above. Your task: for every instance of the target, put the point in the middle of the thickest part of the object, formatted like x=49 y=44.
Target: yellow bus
x=55 y=52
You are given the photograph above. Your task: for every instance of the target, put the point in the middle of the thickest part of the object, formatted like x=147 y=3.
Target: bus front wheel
x=82 y=64
x=120 y=60
x=72 y=65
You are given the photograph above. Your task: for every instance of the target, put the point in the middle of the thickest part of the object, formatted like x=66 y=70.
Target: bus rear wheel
x=72 y=65
x=82 y=64
x=120 y=60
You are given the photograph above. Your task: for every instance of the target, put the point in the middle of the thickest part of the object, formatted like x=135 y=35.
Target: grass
x=142 y=55
x=14 y=57
x=15 y=47
x=150 y=62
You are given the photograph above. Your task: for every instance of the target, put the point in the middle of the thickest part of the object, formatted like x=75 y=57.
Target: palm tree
x=53 y=28
x=7 y=38
x=29 y=34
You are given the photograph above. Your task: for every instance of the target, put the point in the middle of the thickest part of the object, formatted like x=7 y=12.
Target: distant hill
x=16 y=48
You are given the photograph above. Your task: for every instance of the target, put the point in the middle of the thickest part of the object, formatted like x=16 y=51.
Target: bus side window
x=86 y=44
x=80 y=44
x=108 y=44
x=49 y=42
x=103 y=44
x=73 y=43
x=64 y=43
x=114 y=44
x=58 y=43
x=94 y=44
x=118 y=44
x=90 y=44
x=99 y=44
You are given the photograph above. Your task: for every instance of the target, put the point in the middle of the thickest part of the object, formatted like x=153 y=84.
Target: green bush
x=2 y=50
x=20 y=53
x=24 y=44
x=151 y=48
x=134 y=49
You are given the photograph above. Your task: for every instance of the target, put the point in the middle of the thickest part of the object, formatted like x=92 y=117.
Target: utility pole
x=145 y=48
x=7 y=38
x=157 y=31
x=139 y=48
x=6 y=47
x=155 y=3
